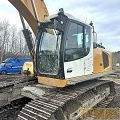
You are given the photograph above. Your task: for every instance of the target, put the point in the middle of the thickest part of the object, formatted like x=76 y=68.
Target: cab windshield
x=48 y=59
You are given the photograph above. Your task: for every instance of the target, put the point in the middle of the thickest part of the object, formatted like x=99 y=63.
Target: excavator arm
x=28 y=8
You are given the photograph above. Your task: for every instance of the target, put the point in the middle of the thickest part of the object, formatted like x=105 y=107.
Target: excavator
x=67 y=65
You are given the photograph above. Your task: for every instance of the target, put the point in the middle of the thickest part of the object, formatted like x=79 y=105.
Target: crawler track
x=11 y=101
x=67 y=103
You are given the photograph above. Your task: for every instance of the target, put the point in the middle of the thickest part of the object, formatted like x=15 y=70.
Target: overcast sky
x=104 y=14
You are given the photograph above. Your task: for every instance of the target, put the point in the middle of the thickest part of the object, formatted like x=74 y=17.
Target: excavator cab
x=64 y=47
x=65 y=52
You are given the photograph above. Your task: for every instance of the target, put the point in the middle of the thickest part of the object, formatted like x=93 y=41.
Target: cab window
x=77 y=42
x=87 y=39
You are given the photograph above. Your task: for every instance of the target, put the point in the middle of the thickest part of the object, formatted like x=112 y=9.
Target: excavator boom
x=25 y=8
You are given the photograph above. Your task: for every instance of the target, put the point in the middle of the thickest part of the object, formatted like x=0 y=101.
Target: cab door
x=76 y=54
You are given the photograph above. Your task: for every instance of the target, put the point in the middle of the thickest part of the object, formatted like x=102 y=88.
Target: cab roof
x=48 y=18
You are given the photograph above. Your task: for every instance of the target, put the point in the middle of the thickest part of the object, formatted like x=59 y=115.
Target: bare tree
x=12 y=42
x=4 y=36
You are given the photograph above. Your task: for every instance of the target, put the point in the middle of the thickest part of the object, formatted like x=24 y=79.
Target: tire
x=3 y=73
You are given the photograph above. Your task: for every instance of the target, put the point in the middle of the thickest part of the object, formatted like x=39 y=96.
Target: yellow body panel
x=25 y=9
x=52 y=81
x=98 y=60
x=28 y=65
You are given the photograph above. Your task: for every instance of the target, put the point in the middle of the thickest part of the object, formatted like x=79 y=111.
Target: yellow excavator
x=67 y=62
